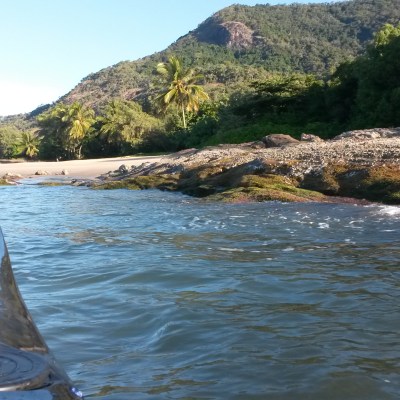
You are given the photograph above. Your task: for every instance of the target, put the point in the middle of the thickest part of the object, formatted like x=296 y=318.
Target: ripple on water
x=156 y=295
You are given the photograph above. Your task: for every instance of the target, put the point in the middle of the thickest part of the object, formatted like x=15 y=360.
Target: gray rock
x=279 y=140
x=308 y=137
x=123 y=169
x=41 y=172
x=368 y=134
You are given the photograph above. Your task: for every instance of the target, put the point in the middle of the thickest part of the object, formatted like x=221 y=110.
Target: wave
x=390 y=210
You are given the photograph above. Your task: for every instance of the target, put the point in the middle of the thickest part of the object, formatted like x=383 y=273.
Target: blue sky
x=49 y=46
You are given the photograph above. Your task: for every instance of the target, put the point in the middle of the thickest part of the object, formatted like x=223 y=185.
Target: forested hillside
x=242 y=74
x=244 y=43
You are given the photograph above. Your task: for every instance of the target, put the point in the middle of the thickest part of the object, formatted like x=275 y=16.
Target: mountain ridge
x=240 y=41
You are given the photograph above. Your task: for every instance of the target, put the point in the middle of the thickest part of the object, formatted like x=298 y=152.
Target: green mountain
x=243 y=43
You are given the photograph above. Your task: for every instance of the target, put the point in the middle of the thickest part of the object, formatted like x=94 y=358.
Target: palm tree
x=79 y=120
x=30 y=144
x=64 y=128
x=182 y=88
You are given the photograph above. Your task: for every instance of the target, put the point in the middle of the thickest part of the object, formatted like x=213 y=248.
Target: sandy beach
x=75 y=168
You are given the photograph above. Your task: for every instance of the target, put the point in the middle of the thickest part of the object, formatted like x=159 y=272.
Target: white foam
x=390 y=210
x=289 y=249
x=231 y=250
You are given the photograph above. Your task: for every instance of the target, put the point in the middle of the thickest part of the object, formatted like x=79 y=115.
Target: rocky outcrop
x=377 y=133
x=10 y=179
x=356 y=164
x=237 y=35
x=232 y=34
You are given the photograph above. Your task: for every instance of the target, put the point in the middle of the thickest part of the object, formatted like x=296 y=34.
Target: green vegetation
x=9 y=138
x=121 y=125
x=301 y=38
x=30 y=145
x=371 y=84
x=315 y=68
x=63 y=129
x=182 y=88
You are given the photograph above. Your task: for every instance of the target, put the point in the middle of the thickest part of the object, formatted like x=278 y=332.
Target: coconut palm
x=183 y=88
x=30 y=144
x=64 y=128
x=79 y=120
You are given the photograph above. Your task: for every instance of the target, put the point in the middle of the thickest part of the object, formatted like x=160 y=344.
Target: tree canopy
x=182 y=87
x=64 y=129
x=122 y=123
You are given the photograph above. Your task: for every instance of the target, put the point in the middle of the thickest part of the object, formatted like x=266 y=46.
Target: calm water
x=151 y=295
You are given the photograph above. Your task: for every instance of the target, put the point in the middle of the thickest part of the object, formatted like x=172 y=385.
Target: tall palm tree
x=183 y=88
x=79 y=120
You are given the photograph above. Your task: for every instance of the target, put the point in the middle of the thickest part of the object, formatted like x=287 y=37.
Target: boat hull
x=28 y=370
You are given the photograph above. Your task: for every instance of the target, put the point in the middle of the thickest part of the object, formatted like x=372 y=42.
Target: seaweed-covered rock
x=374 y=183
x=162 y=182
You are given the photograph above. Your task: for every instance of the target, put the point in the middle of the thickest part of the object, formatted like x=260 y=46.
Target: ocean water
x=154 y=295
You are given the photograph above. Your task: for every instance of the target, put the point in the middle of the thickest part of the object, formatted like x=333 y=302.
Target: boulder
x=64 y=172
x=12 y=176
x=279 y=140
x=123 y=169
x=41 y=172
x=308 y=137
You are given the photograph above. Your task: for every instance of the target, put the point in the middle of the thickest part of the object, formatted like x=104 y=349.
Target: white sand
x=75 y=168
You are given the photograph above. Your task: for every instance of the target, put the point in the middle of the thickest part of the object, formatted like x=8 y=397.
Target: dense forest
x=243 y=73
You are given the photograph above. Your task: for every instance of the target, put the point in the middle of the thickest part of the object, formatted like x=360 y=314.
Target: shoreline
x=81 y=169
x=357 y=167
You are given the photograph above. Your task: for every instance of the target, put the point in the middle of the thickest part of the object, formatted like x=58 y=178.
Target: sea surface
x=154 y=295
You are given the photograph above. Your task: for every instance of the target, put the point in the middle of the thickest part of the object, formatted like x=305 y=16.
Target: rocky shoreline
x=361 y=164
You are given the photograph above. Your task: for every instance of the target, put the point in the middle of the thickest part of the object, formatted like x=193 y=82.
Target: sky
x=49 y=46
